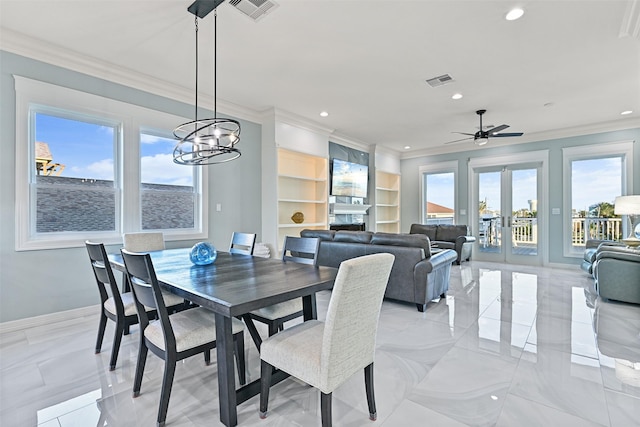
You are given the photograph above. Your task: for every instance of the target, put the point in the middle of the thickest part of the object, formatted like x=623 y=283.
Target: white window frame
x=435 y=168
x=132 y=119
x=622 y=149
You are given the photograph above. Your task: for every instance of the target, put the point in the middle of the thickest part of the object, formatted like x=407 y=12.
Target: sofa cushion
x=326 y=235
x=408 y=240
x=449 y=233
x=428 y=230
x=353 y=236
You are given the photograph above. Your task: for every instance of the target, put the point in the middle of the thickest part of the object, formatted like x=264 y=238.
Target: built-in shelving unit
x=387 y=202
x=302 y=187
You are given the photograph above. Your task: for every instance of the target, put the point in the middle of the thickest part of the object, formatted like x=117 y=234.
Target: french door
x=506 y=211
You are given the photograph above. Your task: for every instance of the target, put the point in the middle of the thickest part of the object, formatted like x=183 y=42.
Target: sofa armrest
x=618 y=252
x=436 y=260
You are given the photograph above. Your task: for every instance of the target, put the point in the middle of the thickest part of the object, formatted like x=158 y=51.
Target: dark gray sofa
x=447 y=236
x=417 y=276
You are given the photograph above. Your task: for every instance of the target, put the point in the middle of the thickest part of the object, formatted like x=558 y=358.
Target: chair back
x=143 y=242
x=242 y=243
x=352 y=317
x=303 y=250
x=146 y=292
x=107 y=285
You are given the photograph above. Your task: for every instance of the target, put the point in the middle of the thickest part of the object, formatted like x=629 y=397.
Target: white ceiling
x=365 y=61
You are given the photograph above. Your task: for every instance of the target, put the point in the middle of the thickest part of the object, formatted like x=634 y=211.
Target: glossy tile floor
x=509 y=346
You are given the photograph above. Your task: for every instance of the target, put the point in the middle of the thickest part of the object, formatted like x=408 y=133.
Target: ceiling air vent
x=440 y=80
x=254 y=9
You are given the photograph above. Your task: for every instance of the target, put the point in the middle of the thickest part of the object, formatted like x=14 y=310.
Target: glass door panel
x=524 y=212
x=489 y=236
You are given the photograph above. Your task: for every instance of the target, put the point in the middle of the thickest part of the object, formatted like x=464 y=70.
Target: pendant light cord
x=215 y=63
x=196 y=114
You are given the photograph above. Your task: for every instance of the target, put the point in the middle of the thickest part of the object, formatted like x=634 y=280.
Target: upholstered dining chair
x=119 y=307
x=326 y=354
x=242 y=243
x=175 y=337
x=302 y=250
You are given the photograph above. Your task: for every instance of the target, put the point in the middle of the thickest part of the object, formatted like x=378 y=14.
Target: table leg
x=226 y=376
x=309 y=308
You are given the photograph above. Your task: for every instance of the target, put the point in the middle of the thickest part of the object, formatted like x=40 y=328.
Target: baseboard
x=46 y=319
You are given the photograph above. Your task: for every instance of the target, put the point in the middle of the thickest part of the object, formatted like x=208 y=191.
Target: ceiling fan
x=482 y=136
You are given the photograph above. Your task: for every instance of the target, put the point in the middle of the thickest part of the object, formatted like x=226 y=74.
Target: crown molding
x=296 y=120
x=20 y=44
x=610 y=126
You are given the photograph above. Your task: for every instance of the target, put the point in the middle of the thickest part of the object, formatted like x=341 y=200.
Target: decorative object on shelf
x=213 y=140
x=630 y=206
x=298 y=217
x=203 y=253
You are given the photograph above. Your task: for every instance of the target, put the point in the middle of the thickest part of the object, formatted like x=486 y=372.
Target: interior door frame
x=541 y=158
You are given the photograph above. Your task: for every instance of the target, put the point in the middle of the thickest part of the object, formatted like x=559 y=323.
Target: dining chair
x=119 y=307
x=326 y=354
x=172 y=337
x=302 y=250
x=242 y=243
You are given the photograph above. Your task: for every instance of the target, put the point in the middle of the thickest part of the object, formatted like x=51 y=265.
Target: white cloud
x=102 y=169
x=160 y=169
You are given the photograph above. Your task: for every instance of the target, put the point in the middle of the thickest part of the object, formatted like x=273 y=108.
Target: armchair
x=590 y=250
x=617 y=273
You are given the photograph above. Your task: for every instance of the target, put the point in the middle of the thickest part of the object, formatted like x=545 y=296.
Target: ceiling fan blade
x=458 y=140
x=506 y=135
x=497 y=129
x=464 y=133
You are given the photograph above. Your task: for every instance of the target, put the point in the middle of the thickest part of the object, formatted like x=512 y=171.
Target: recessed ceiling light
x=324 y=114
x=624 y=113
x=406 y=147
x=515 y=13
x=456 y=96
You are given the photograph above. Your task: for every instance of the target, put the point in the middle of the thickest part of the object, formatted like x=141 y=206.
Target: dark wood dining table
x=233 y=286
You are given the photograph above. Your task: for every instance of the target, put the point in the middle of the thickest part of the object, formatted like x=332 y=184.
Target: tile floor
x=509 y=346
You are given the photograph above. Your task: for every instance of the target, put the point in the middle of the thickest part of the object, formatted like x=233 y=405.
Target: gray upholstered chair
x=616 y=271
x=175 y=337
x=242 y=243
x=116 y=306
x=591 y=248
x=326 y=354
x=303 y=250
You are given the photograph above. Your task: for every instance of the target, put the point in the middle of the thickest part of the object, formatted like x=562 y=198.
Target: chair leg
x=325 y=409
x=240 y=360
x=368 y=385
x=117 y=339
x=142 y=360
x=265 y=383
x=273 y=328
x=167 y=383
x=101 y=328
x=207 y=357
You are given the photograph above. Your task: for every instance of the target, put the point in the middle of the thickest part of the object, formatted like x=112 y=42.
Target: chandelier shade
x=213 y=140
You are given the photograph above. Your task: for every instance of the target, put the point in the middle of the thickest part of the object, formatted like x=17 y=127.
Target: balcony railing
x=583 y=229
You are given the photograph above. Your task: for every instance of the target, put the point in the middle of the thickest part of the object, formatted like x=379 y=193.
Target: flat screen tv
x=349 y=179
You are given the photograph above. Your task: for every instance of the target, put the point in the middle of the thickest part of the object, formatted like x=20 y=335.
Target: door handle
x=509 y=221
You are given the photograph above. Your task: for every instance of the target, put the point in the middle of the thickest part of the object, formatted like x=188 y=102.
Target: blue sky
x=87 y=151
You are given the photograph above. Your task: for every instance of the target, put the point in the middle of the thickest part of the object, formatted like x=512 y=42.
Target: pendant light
x=206 y=141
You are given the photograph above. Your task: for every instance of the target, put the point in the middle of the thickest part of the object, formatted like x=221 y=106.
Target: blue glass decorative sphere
x=203 y=253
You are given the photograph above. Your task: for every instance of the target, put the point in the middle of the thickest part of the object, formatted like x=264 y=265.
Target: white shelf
x=303 y=225
x=387 y=222
x=387 y=202
x=384 y=205
x=386 y=189
x=303 y=178
x=301 y=201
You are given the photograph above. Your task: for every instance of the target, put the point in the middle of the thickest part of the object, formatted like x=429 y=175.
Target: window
x=438 y=193
x=588 y=202
x=89 y=167
x=167 y=193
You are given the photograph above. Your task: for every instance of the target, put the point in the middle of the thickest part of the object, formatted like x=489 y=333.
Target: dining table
x=232 y=286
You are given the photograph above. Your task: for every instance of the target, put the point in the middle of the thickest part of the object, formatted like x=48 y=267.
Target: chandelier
x=213 y=140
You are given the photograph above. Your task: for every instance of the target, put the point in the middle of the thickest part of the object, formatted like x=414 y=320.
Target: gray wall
x=410 y=197
x=34 y=283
